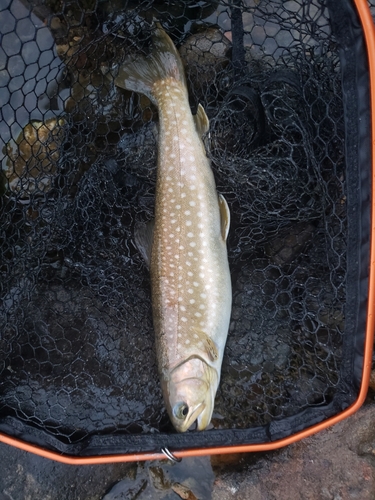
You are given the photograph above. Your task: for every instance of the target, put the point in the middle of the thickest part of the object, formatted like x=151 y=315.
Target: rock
x=335 y=464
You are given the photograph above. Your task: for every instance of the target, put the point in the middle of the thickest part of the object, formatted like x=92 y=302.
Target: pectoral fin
x=143 y=237
x=224 y=217
x=208 y=344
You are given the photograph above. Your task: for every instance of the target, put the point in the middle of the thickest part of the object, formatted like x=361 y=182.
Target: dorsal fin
x=202 y=123
x=224 y=217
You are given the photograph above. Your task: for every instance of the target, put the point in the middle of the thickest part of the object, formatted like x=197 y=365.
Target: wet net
x=285 y=86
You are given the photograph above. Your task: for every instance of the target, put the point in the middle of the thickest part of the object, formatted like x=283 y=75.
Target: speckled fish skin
x=191 y=286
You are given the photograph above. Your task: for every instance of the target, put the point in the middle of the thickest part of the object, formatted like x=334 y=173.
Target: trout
x=187 y=254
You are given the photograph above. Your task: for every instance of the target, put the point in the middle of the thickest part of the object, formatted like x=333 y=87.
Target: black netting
x=79 y=156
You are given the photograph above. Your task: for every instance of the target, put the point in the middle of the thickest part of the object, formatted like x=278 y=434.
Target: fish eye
x=181 y=410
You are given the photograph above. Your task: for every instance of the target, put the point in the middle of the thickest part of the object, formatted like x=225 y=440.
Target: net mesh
x=79 y=157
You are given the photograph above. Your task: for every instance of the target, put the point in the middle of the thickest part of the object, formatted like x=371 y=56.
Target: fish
x=186 y=244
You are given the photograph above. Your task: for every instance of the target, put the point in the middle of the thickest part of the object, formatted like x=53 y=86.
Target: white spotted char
x=191 y=287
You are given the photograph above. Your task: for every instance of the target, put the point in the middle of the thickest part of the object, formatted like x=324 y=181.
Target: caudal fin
x=163 y=62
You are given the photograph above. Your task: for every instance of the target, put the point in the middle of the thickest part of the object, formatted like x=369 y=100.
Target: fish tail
x=163 y=62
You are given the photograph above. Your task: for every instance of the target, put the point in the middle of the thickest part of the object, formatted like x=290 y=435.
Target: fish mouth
x=204 y=418
x=192 y=415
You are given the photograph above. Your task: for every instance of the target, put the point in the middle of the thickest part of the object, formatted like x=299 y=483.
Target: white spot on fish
x=190 y=235
x=183 y=319
x=192 y=301
x=183 y=195
x=192 y=244
x=192 y=203
x=187 y=212
x=178 y=206
x=188 y=222
x=190 y=290
x=197 y=314
x=195 y=283
x=203 y=295
x=187 y=341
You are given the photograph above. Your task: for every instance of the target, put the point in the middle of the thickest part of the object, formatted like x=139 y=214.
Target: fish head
x=190 y=393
